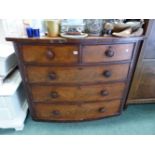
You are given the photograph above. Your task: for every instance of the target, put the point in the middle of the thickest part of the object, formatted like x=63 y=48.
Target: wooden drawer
x=77 y=93
x=77 y=74
x=106 y=53
x=45 y=111
x=50 y=54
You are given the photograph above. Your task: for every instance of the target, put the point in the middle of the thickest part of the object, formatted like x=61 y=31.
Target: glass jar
x=94 y=27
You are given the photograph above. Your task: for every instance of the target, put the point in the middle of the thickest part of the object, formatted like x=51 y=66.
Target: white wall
x=2 y=32
x=12 y=28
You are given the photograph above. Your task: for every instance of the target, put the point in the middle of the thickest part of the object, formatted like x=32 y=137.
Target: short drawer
x=107 y=53
x=72 y=75
x=77 y=93
x=45 y=111
x=50 y=54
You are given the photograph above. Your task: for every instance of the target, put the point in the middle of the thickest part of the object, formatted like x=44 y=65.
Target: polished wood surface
x=50 y=54
x=143 y=85
x=73 y=80
x=73 y=112
x=107 y=53
x=87 y=40
x=94 y=74
x=77 y=93
x=146 y=84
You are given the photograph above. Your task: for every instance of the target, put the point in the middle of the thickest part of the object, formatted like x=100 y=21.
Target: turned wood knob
x=54 y=95
x=52 y=76
x=104 y=93
x=102 y=110
x=56 y=112
x=109 y=52
x=107 y=73
x=50 y=54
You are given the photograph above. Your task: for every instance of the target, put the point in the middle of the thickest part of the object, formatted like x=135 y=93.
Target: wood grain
x=77 y=74
x=39 y=54
x=77 y=93
x=143 y=85
x=146 y=87
x=60 y=112
x=98 y=53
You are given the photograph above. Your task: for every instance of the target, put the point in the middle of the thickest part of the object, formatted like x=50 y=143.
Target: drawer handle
x=102 y=110
x=50 y=54
x=104 y=93
x=54 y=95
x=52 y=76
x=109 y=52
x=107 y=73
x=56 y=112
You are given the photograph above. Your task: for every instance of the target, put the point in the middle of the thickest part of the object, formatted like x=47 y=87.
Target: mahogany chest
x=74 y=80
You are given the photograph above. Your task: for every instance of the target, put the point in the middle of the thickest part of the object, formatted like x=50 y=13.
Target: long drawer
x=45 y=111
x=107 y=53
x=77 y=93
x=72 y=75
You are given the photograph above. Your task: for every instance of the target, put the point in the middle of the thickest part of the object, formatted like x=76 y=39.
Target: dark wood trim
x=73 y=121
x=88 y=40
x=22 y=71
x=131 y=72
x=81 y=64
x=74 y=102
x=75 y=84
x=80 y=56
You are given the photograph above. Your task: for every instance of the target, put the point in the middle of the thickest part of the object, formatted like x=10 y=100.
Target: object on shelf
x=8 y=60
x=53 y=27
x=13 y=104
x=108 y=27
x=94 y=27
x=35 y=25
x=82 y=35
x=137 y=33
x=32 y=32
x=130 y=24
x=72 y=26
x=129 y=33
x=124 y=33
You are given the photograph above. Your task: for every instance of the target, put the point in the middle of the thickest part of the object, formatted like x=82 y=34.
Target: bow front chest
x=73 y=80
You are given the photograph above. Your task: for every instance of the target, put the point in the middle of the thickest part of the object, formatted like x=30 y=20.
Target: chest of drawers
x=74 y=80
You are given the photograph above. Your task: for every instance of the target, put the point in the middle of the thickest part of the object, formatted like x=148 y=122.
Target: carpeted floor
x=136 y=120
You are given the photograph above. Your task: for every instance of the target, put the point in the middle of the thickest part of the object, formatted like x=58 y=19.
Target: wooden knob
x=102 y=110
x=107 y=73
x=52 y=76
x=109 y=53
x=50 y=54
x=104 y=93
x=56 y=112
x=54 y=95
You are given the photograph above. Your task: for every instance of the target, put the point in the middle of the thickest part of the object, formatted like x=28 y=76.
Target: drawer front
x=77 y=74
x=77 y=93
x=106 y=53
x=76 y=112
x=50 y=54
